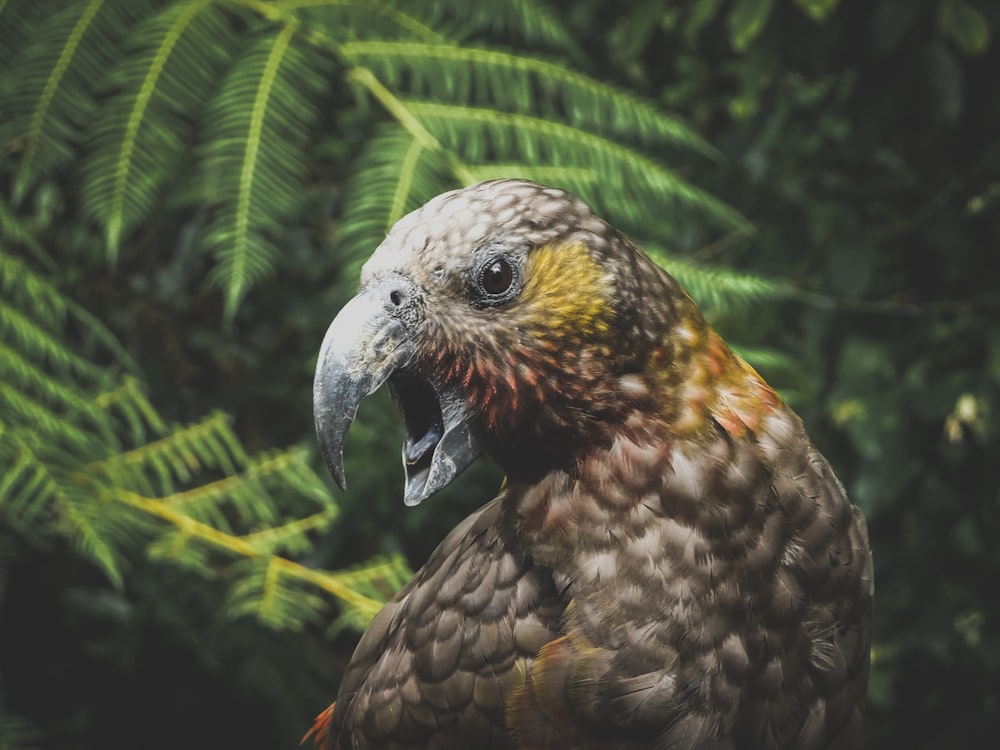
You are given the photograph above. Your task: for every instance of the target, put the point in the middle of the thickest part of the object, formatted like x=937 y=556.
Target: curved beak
x=368 y=344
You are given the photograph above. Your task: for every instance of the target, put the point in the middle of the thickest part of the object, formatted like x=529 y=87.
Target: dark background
x=862 y=140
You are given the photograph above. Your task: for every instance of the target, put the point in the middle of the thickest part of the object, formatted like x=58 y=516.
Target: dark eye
x=496 y=277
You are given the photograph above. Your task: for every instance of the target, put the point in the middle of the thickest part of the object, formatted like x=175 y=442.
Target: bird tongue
x=442 y=438
x=416 y=449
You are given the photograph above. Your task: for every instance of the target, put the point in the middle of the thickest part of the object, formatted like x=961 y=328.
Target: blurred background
x=188 y=188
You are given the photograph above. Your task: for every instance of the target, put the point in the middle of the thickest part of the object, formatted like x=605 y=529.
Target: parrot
x=669 y=563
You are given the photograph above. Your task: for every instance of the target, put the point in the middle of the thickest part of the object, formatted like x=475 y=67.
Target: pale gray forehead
x=448 y=229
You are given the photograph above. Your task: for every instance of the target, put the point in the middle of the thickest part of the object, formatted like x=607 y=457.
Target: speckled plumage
x=670 y=564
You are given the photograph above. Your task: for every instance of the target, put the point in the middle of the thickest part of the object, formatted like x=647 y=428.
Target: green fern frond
x=718 y=287
x=399 y=174
x=242 y=499
x=264 y=590
x=101 y=469
x=16 y=23
x=50 y=423
x=142 y=130
x=530 y=22
x=517 y=83
x=37 y=493
x=130 y=411
x=632 y=181
x=26 y=488
x=30 y=381
x=388 y=192
x=97 y=530
x=380 y=578
x=277 y=65
x=375 y=582
x=253 y=158
x=262 y=581
x=51 y=311
x=51 y=426
x=57 y=74
x=173 y=546
x=159 y=467
x=327 y=23
x=768 y=359
x=44 y=384
x=545 y=175
x=277 y=591
x=40 y=342
x=14 y=231
x=291 y=538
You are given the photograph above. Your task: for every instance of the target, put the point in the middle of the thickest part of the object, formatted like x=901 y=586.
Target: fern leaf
x=159 y=467
x=374 y=583
x=528 y=21
x=385 y=192
x=26 y=488
x=35 y=493
x=466 y=75
x=129 y=410
x=17 y=21
x=333 y=22
x=380 y=578
x=477 y=133
x=718 y=287
x=253 y=156
x=137 y=141
x=768 y=359
x=632 y=186
x=31 y=337
x=96 y=531
x=49 y=424
x=57 y=76
x=263 y=589
x=14 y=230
x=36 y=313
x=291 y=538
x=31 y=381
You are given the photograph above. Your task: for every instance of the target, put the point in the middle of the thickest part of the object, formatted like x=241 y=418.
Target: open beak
x=368 y=344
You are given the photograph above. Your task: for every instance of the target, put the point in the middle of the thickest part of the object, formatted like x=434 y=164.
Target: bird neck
x=703 y=386
x=695 y=413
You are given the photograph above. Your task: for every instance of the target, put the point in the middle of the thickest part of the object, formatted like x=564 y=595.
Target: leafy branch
x=85 y=457
x=280 y=64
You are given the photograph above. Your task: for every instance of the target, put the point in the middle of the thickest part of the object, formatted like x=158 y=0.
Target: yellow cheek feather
x=566 y=291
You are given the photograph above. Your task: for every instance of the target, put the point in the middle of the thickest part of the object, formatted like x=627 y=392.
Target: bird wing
x=437 y=664
x=748 y=629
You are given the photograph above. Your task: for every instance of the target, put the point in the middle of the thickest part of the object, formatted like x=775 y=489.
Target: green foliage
x=191 y=185
x=241 y=86
x=204 y=116
x=746 y=21
x=252 y=157
x=138 y=138
x=87 y=457
x=966 y=25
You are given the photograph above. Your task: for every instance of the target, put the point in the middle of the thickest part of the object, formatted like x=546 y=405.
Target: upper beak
x=367 y=344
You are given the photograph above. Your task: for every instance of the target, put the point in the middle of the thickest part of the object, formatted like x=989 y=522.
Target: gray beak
x=368 y=344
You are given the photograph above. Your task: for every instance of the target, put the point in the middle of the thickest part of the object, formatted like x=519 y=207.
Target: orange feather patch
x=319 y=734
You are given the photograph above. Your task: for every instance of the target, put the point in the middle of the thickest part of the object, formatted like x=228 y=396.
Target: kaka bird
x=670 y=563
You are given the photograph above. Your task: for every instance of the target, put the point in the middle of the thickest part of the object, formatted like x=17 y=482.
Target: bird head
x=507 y=318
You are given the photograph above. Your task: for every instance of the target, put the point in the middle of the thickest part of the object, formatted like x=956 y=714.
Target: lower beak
x=366 y=345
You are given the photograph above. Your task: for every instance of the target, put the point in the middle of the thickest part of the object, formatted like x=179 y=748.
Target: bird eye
x=496 y=277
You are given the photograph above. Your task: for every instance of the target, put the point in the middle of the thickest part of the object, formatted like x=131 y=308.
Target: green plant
x=178 y=156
